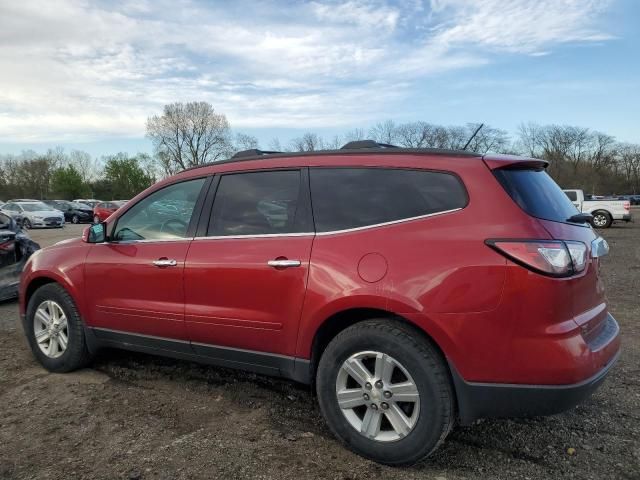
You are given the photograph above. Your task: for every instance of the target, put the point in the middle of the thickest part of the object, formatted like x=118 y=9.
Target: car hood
x=44 y=213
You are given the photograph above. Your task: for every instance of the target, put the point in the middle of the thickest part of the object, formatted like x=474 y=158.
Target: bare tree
x=189 y=134
x=274 y=145
x=529 y=139
x=309 y=142
x=354 y=135
x=384 y=132
x=84 y=164
x=245 y=142
x=488 y=139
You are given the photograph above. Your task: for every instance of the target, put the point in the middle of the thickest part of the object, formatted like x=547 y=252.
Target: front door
x=134 y=282
x=245 y=278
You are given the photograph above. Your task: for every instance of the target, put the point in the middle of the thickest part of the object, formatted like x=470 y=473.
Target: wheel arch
x=38 y=281
x=344 y=319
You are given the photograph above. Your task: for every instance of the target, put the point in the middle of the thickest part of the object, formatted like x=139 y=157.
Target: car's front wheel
x=75 y=219
x=96 y=219
x=385 y=392
x=55 y=330
x=26 y=223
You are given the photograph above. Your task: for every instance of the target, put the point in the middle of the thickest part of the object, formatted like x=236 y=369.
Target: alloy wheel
x=600 y=220
x=51 y=329
x=378 y=396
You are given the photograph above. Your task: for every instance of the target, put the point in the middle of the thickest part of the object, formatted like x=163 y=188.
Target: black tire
x=75 y=219
x=425 y=365
x=96 y=219
x=76 y=354
x=26 y=224
x=601 y=219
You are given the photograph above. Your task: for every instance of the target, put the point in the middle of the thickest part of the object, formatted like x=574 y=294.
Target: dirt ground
x=138 y=416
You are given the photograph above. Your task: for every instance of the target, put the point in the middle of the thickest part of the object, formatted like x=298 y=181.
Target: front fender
x=62 y=263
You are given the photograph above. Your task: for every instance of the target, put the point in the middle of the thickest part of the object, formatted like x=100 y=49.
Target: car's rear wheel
x=55 y=330
x=385 y=392
x=601 y=220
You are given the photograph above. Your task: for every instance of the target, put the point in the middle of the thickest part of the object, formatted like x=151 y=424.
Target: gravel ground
x=139 y=416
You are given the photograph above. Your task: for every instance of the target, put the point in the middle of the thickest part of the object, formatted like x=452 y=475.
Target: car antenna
x=473 y=136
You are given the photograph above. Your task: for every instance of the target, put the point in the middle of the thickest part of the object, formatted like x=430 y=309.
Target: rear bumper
x=626 y=217
x=484 y=400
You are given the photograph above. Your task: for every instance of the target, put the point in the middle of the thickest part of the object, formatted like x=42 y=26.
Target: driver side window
x=163 y=215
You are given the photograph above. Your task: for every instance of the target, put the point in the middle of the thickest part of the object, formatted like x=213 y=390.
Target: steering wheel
x=164 y=225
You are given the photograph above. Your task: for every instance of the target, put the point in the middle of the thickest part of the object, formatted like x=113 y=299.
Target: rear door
x=246 y=275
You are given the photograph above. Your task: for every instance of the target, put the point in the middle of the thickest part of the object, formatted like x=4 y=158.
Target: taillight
x=548 y=257
x=627 y=206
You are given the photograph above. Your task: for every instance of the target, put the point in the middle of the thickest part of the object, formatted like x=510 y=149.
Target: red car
x=413 y=288
x=103 y=210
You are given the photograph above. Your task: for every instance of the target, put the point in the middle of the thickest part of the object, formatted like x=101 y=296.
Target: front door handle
x=282 y=263
x=165 y=262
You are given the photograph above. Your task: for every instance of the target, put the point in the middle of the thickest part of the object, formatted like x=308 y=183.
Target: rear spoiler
x=512 y=161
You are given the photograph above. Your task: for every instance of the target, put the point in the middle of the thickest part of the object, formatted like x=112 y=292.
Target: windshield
x=77 y=205
x=35 y=206
x=537 y=194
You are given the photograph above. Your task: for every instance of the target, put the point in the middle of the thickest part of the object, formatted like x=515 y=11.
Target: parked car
x=32 y=214
x=74 y=212
x=103 y=210
x=604 y=212
x=634 y=199
x=15 y=248
x=92 y=202
x=413 y=288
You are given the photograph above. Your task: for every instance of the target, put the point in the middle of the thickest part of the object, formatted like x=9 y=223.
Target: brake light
x=627 y=206
x=549 y=257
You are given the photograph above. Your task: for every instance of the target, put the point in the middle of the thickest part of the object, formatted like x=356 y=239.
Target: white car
x=604 y=211
x=34 y=214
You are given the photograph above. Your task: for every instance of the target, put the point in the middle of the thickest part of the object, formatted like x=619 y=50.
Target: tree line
x=185 y=135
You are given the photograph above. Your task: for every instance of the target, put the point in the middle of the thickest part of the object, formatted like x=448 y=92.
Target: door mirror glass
x=95 y=233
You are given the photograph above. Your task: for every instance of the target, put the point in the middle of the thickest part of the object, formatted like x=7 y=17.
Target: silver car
x=34 y=214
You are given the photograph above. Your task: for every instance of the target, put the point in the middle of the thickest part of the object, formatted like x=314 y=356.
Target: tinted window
x=163 y=215
x=537 y=194
x=256 y=203
x=346 y=198
x=573 y=196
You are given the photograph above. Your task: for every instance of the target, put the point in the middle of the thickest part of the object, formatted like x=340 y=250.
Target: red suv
x=412 y=288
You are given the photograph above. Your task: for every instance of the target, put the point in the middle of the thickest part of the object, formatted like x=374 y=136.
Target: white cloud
x=79 y=70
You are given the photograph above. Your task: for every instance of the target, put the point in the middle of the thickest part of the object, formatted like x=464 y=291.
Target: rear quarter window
x=536 y=193
x=345 y=198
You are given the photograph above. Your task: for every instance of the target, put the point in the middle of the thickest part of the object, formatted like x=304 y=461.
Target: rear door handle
x=284 y=263
x=165 y=262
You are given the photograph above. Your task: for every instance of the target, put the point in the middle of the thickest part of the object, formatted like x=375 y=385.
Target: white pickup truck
x=604 y=211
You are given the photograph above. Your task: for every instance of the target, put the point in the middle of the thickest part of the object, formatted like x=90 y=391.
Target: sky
x=87 y=74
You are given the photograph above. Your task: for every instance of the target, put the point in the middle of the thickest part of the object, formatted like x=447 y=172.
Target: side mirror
x=96 y=233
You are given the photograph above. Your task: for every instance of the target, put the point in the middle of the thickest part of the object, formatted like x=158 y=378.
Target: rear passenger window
x=256 y=203
x=345 y=198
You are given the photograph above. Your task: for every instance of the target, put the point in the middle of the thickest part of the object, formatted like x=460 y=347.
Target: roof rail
x=254 y=152
x=358 y=144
